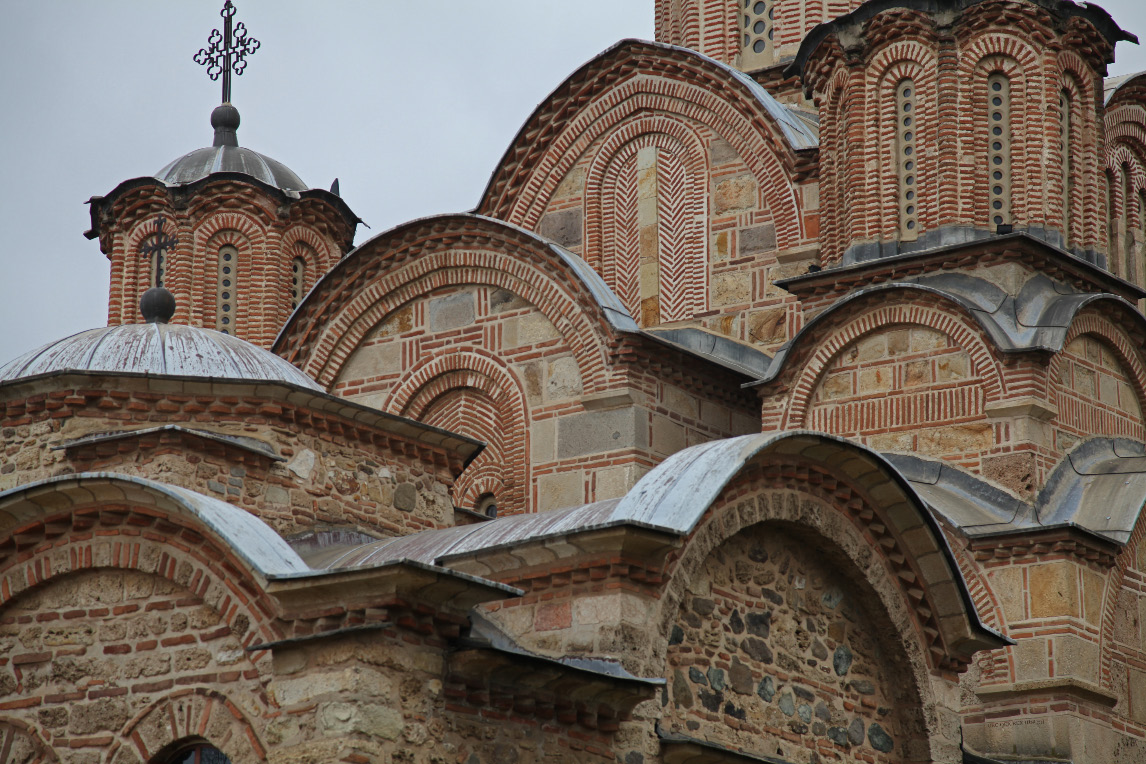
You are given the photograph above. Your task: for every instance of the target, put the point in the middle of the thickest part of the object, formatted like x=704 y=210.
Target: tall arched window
x=1066 y=144
x=757 y=33
x=226 y=289
x=297 y=281
x=999 y=148
x=906 y=117
x=1125 y=238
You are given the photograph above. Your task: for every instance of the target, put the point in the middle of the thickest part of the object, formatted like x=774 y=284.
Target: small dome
x=158 y=349
x=227 y=156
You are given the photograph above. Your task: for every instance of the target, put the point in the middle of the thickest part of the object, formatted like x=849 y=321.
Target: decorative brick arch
x=434 y=253
x=604 y=93
x=1083 y=219
x=612 y=247
x=881 y=317
x=506 y=463
x=129 y=536
x=892 y=65
x=1091 y=322
x=185 y=716
x=1117 y=574
x=18 y=737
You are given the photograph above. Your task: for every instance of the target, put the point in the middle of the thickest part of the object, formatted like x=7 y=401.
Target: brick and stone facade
x=781 y=400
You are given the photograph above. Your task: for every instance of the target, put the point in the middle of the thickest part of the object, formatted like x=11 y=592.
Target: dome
x=158 y=349
x=225 y=155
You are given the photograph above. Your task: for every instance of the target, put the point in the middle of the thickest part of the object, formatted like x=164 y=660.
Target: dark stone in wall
x=697 y=676
x=842 y=660
x=855 y=731
x=757 y=650
x=563 y=227
x=735 y=622
x=879 y=738
x=760 y=624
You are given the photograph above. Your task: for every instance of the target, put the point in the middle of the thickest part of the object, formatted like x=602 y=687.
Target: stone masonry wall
x=774 y=651
x=334 y=476
x=1096 y=396
x=520 y=375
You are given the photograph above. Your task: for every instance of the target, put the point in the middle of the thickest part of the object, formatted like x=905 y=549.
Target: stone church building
x=781 y=400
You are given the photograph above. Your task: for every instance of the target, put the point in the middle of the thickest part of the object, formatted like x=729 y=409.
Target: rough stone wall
x=337 y=479
x=772 y=636
x=108 y=664
x=390 y=697
x=267 y=233
x=522 y=377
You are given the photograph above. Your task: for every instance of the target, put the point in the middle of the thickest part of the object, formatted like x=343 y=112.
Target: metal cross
x=159 y=241
x=228 y=51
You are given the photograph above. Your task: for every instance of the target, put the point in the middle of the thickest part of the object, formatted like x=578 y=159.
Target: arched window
x=297 y=281
x=1125 y=236
x=226 y=290
x=486 y=504
x=1066 y=144
x=757 y=32
x=906 y=117
x=999 y=148
x=1111 y=224
x=199 y=753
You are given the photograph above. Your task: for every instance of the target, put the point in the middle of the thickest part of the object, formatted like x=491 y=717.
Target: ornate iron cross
x=158 y=241
x=227 y=52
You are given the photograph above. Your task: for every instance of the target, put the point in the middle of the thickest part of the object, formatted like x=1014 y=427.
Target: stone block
x=720 y=249
x=1015 y=472
x=735 y=194
x=757 y=239
x=769 y=326
x=451 y=312
x=552 y=616
x=503 y=300
x=565 y=489
x=534 y=328
x=917 y=373
x=668 y=436
x=714 y=415
x=876 y=380
x=679 y=401
x=372 y=361
x=543 y=441
x=957 y=439
x=721 y=151
x=868 y=349
x=836 y=386
x=1031 y=659
x=597 y=431
x=1053 y=589
x=398 y=322
x=731 y=288
x=1007 y=583
x=1137 y=688
x=1076 y=657
x=952 y=367
x=563 y=379
x=572 y=184
x=563 y=227
x=615 y=482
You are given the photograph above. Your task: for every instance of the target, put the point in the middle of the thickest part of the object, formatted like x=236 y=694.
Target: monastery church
x=781 y=400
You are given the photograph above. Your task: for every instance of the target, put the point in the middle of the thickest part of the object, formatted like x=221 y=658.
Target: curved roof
x=1099 y=487
x=1096 y=15
x=249 y=537
x=225 y=155
x=676 y=494
x=1038 y=318
x=200 y=163
x=158 y=350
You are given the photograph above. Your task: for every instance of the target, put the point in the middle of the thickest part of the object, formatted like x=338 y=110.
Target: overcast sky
x=410 y=104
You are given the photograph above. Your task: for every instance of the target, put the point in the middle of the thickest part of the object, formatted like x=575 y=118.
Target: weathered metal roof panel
x=158 y=349
x=200 y=163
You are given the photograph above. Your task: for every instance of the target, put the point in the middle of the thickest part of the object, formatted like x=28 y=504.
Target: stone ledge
x=1058 y=685
x=799 y=254
x=1027 y=406
x=610 y=399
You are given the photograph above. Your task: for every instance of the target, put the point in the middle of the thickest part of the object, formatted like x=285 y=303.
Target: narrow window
x=1066 y=141
x=1111 y=224
x=906 y=115
x=486 y=504
x=999 y=148
x=297 y=281
x=1124 y=230
x=225 y=303
x=757 y=29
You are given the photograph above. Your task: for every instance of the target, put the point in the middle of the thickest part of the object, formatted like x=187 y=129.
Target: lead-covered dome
x=226 y=155
x=158 y=349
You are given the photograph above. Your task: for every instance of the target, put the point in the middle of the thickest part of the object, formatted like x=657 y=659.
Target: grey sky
x=410 y=104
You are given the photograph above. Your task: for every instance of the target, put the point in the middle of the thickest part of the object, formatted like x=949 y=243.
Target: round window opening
x=486 y=505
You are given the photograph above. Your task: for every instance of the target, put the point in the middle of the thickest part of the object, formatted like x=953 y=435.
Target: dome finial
x=157 y=305
x=225 y=120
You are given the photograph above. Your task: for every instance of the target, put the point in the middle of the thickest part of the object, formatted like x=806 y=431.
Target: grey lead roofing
x=158 y=349
x=1037 y=318
x=1099 y=487
x=200 y=163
